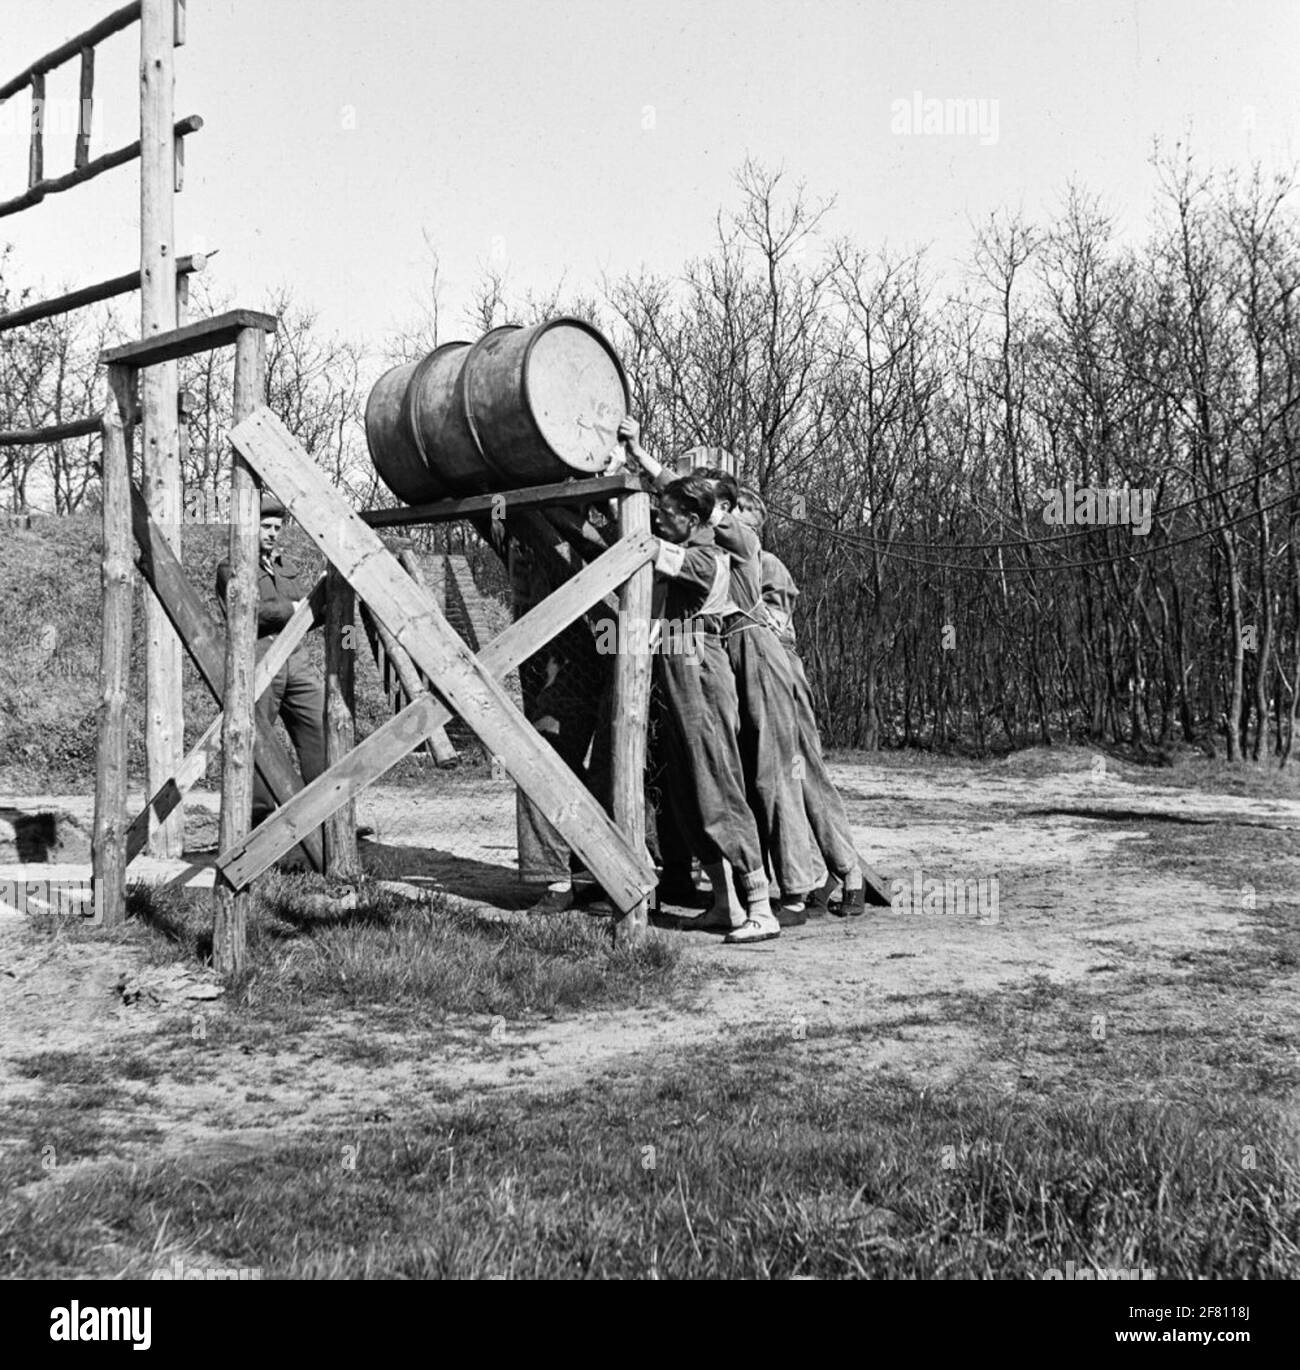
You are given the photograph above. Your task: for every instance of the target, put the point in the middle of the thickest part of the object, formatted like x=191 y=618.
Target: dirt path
x=1076 y=899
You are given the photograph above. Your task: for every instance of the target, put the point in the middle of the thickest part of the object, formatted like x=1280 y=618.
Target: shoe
x=365 y=830
x=714 y=921
x=553 y=901
x=753 y=931
x=854 y=905
x=816 y=907
x=788 y=917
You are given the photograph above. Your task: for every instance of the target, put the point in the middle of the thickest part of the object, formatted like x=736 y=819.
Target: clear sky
x=572 y=137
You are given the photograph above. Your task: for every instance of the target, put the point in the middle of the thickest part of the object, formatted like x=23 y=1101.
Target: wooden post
x=85 y=108
x=341 y=859
x=161 y=483
x=36 y=148
x=230 y=928
x=109 y=842
x=632 y=701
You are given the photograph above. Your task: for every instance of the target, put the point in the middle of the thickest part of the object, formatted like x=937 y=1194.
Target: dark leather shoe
x=553 y=901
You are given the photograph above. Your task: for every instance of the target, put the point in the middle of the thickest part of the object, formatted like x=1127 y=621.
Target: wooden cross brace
x=469 y=684
x=206 y=643
x=195 y=765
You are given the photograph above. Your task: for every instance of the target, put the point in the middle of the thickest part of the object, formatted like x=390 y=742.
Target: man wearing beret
x=297 y=694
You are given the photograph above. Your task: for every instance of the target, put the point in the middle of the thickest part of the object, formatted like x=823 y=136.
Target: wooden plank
x=582 y=535
x=91 y=294
x=533 y=496
x=231 y=907
x=208 y=747
x=36 y=148
x=402 y=682
x=109 y=839
x=59 y=432
x=115 y=22
x=160 y=428
x=386 y=746
x=341 y=859
x=85 y=107
x=205 y=335
x=206 y=644
x=79 y=176
x=632 y=701
x=440 y=745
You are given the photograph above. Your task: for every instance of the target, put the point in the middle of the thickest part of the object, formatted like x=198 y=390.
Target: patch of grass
x=86 y=1068
x=732 y=1166
x=427 y=959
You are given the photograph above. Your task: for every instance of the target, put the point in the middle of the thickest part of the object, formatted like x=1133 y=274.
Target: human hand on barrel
x=629 y=434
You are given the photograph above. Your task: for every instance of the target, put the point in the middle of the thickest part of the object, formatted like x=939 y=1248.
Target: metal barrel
x=434 y=415
x=392 y=447
x=545 y=402
x=522 y=406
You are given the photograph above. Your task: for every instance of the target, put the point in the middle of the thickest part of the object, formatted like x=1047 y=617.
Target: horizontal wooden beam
x=204 y=336
x=561 y=492
x=115 y=22
x=58 y=432
x=33 y=437
x=424 y=716
x=35 y=194
x=92 y=294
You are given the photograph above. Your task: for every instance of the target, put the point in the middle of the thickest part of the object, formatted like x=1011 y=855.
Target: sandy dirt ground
x=1076 y=901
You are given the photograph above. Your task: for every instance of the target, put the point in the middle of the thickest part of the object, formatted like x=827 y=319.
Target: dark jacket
x=277 y=588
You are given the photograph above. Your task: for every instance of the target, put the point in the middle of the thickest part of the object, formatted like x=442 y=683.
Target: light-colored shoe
x=752 y=930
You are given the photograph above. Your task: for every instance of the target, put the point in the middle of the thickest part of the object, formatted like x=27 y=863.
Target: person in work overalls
x=827 y=816
x=769 y=740
x=297 y=694
x=702 y=740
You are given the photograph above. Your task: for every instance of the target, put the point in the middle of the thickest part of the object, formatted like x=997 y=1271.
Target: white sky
x=521 y=127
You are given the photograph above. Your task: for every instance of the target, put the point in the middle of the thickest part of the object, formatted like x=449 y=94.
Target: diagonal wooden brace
x=388 y=744
x=465 y=682
x=195 y=765
x=206 y=644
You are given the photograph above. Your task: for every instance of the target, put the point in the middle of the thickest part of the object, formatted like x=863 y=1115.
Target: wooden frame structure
x=445 y=677
x=438 y=673
x=162 y=280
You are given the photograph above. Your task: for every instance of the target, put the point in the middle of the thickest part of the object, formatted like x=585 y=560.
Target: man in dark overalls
x=297 y=694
